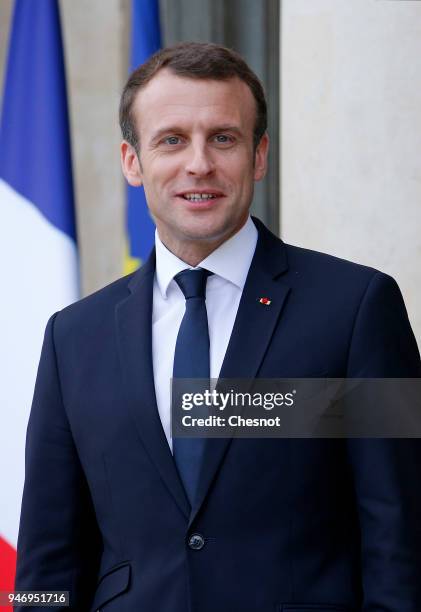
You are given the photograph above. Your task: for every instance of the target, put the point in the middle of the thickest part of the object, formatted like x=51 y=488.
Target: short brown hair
x=195 y=61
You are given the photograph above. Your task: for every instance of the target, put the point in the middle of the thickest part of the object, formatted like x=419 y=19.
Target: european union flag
x=146 y=39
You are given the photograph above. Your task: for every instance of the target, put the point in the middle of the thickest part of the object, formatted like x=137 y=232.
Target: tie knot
x=192 y=282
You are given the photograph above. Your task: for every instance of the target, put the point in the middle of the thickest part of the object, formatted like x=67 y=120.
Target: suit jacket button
x=196 y=541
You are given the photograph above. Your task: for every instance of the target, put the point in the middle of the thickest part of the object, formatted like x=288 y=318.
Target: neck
x=192 y=252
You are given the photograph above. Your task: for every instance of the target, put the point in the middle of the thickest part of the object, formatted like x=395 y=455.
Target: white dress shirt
x=230 y=264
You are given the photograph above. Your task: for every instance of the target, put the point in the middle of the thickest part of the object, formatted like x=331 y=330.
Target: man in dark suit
x=129 y=519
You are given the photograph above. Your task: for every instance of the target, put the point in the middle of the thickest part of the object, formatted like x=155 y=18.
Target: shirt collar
x=231 y=261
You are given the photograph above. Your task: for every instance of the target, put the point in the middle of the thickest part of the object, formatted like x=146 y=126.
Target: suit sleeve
x=387 y=472
x=59 y=543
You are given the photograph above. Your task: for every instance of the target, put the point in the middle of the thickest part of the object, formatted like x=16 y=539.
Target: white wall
x=351 y=134
x=96 y=43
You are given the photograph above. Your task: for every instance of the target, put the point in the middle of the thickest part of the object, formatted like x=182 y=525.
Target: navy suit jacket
x=289 y=524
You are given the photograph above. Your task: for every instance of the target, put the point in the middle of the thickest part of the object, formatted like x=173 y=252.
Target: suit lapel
x=256 y=321
x=251 y=335
x=134 y=339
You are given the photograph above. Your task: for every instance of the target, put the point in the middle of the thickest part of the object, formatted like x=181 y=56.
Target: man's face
x=197 y=163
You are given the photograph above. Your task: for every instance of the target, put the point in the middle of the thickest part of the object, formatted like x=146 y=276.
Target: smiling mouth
x=200 y=197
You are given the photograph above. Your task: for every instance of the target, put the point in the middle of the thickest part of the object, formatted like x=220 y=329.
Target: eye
x=171 y=140
x=223 y=138
x=223 y=141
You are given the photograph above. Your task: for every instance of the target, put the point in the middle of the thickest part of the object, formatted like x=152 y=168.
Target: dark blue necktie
x=191 y=360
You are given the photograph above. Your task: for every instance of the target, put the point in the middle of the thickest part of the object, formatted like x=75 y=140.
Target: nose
x=199 y=162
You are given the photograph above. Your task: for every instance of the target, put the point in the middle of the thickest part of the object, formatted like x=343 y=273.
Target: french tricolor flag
x=38 y=255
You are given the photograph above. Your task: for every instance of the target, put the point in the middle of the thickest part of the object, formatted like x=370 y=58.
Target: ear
x=130 y=164
x=261 y=157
